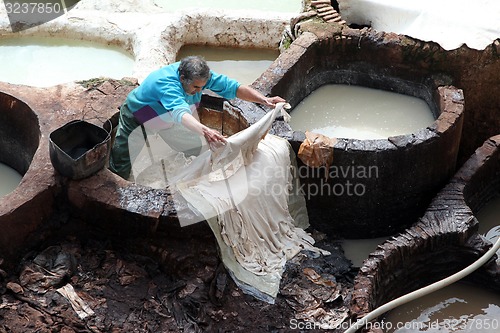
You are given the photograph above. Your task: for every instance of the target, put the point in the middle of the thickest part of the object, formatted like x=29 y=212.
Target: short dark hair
x=194 y=68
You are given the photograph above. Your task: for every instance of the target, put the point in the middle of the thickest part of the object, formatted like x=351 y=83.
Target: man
x=169 y=97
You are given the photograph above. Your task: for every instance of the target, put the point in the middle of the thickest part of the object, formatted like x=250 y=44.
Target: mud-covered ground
x=77 y=278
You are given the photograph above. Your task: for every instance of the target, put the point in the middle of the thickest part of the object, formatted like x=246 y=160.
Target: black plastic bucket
x=79 y=149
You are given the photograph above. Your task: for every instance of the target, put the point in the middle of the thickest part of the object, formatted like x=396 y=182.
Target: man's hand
x=214 y=138
x=249 y=94
x=272 y=101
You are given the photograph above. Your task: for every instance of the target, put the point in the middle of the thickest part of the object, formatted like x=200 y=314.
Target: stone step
x=330 y=12
x=324 y=9
x=322 y=6
x=332 y=16
x=337 y=20
x=321 y=2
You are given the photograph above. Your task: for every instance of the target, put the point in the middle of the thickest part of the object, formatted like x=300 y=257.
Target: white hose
x=425 y=290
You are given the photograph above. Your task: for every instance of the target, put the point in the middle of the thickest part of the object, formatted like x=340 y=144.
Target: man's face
x=195 y=87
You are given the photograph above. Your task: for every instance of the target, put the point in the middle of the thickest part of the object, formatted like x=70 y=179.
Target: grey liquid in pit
x=489 y=219
x=357 y=250
x=356 y=112
x=243 y=65
x=459 y=307
x=9 y=179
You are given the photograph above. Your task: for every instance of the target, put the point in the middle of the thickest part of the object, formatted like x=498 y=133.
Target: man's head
x=194 y=74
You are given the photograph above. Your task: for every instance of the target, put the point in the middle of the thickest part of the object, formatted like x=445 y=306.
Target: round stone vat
x=45 y=61
x=444 y=241
x=19 y=141
x=20 y=133
x=373 y=187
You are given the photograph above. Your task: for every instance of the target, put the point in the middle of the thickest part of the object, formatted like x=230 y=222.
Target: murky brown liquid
x=356 y=112
x=9 y=179
x=243 y=65
x=457 y=308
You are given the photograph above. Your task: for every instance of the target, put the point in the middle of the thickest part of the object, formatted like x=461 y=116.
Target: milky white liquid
x=243 y=65
x=9 y=179
x=457 y=308
x=355 y=112
x=44 y=62
x=283 y=6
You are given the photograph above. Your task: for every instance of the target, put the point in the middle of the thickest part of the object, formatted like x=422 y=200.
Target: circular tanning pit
x=372 y=187
x=378 y=186
x=20 y=133
x=48 y=61
x=19 y=140
x=489 y=218
x=381 y=180
x=481 y=191
x=448 y=238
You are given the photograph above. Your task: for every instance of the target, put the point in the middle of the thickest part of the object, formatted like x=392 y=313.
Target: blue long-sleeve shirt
x=161 y=94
